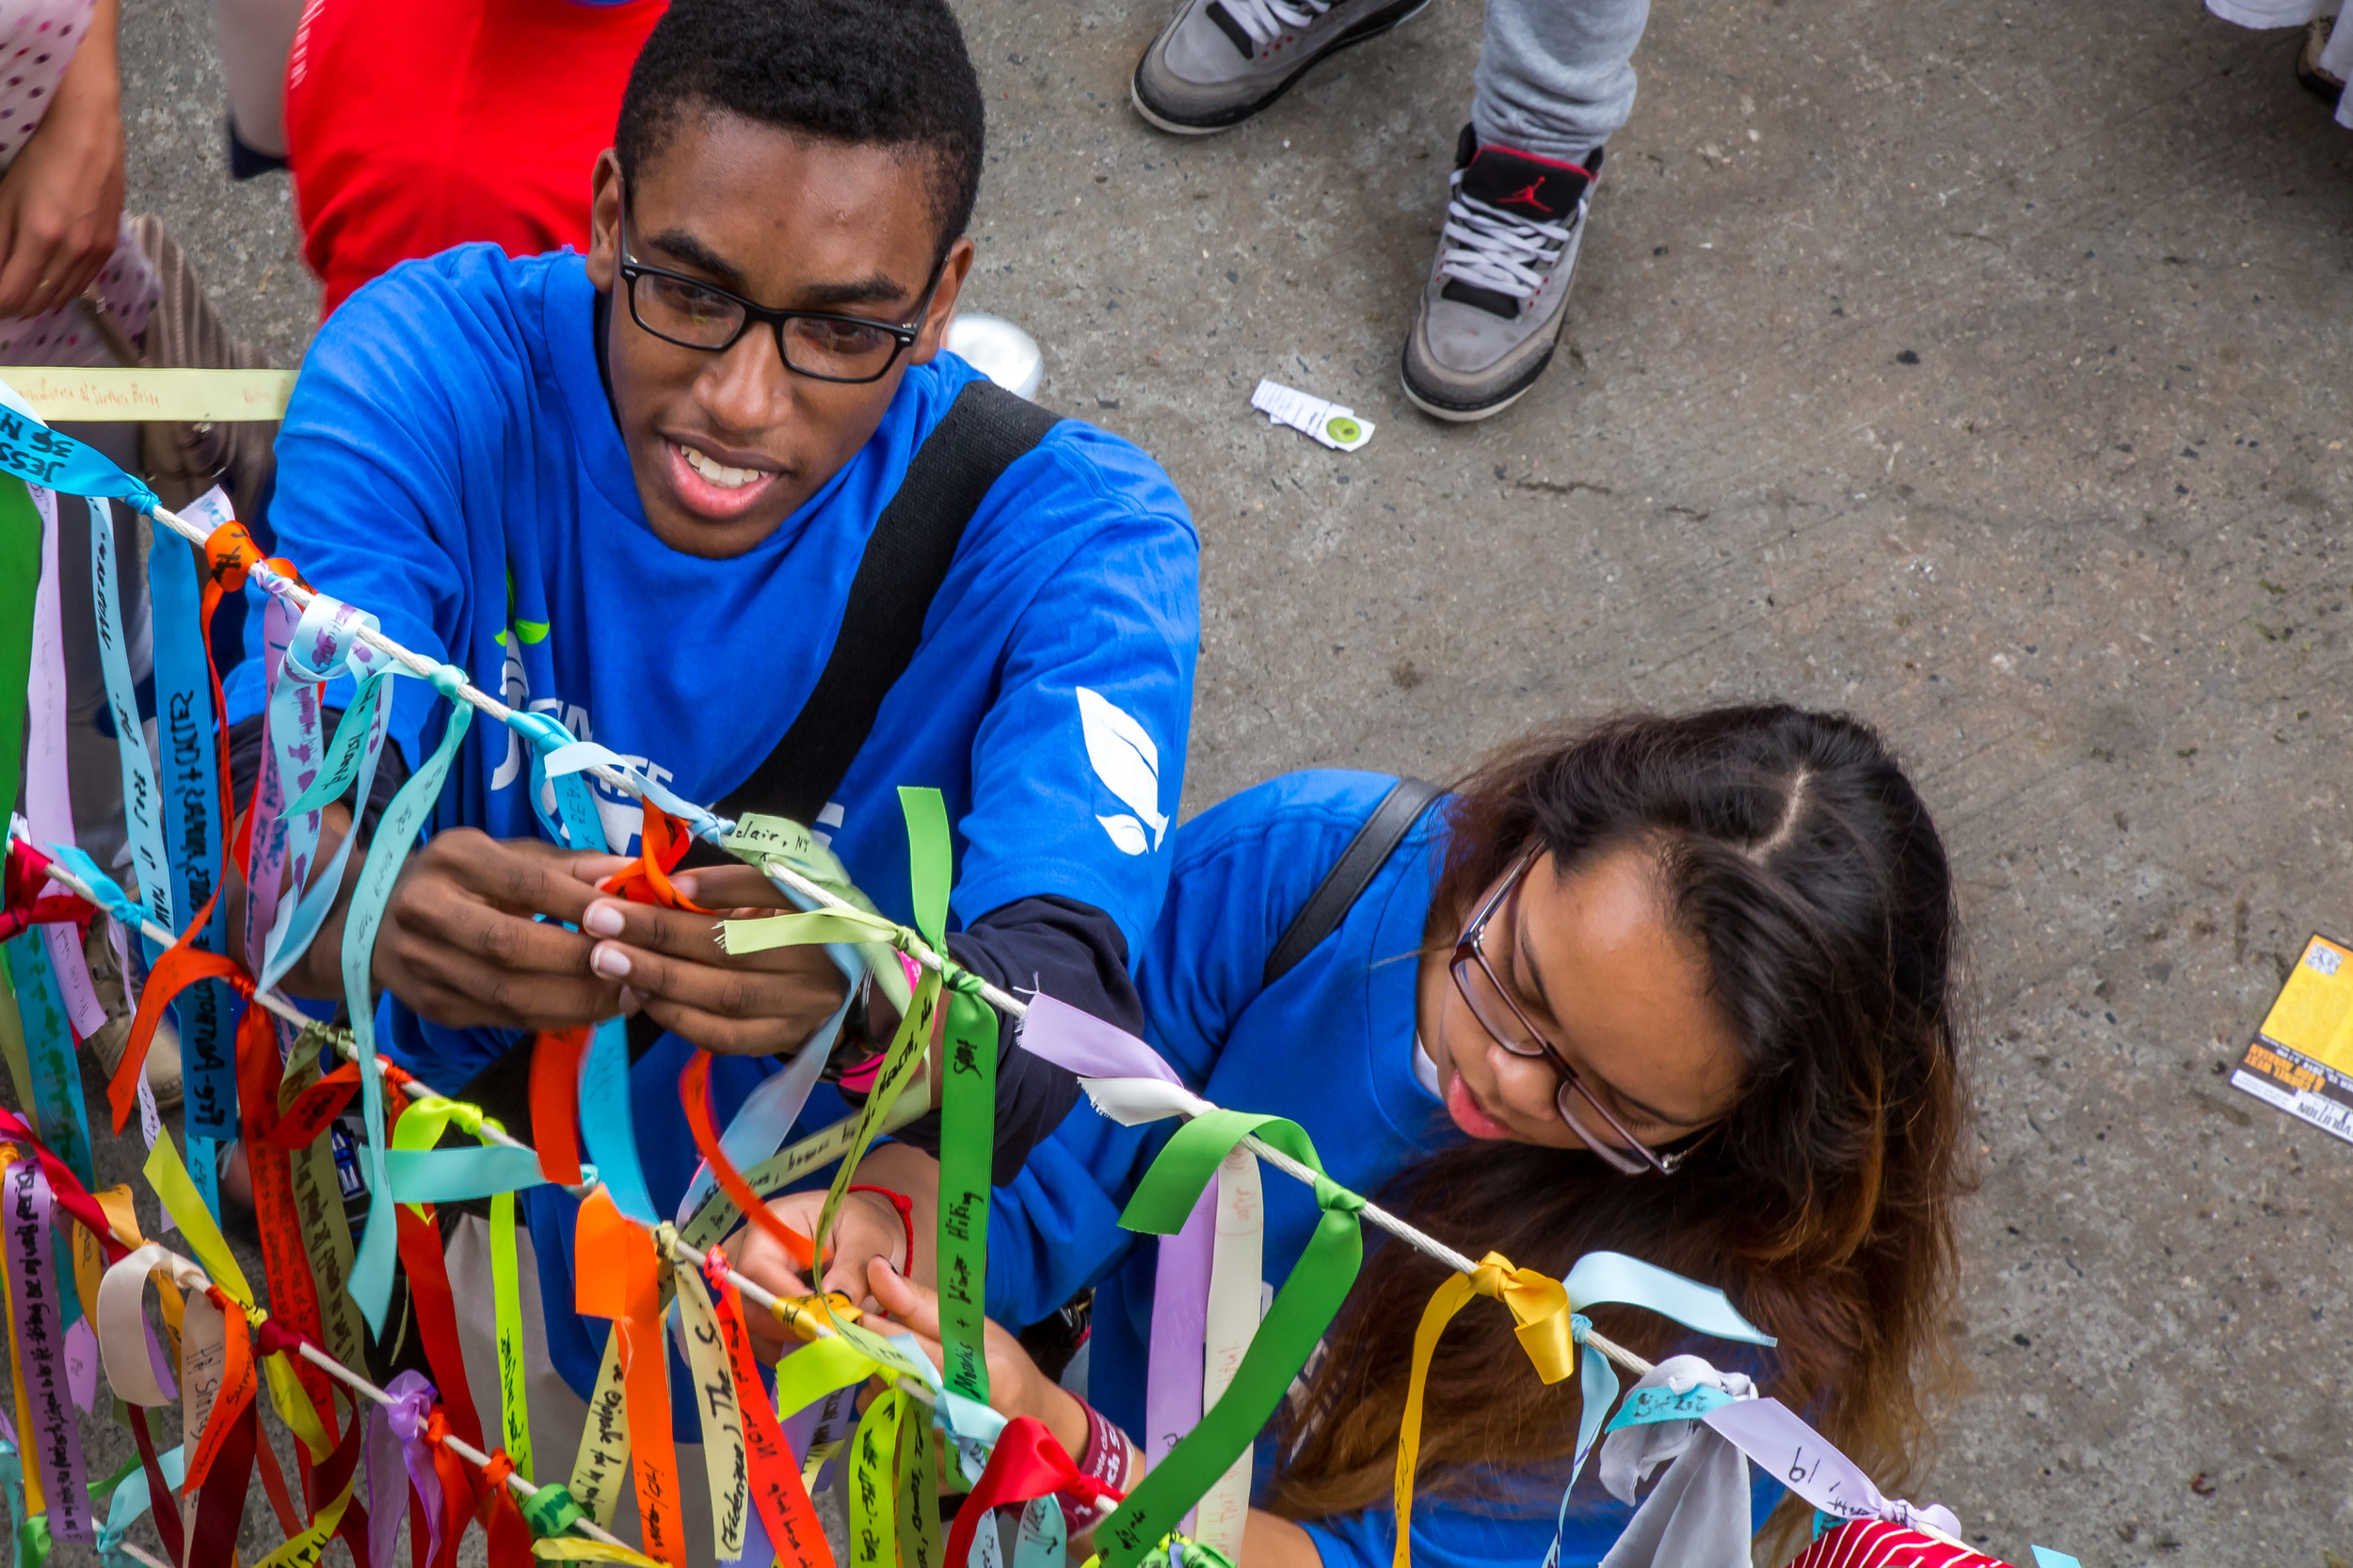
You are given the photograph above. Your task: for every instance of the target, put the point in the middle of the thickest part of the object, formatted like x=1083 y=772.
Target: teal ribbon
x=1647 y=1405
x=105 y=892
x=395 y=835
x=57 y=1105
x=40 y=456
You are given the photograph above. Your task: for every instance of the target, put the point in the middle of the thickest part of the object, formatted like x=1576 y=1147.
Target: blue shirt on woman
x=1331 y=1045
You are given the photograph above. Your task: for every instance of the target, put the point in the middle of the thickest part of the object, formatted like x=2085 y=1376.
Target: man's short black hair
x=866 y=73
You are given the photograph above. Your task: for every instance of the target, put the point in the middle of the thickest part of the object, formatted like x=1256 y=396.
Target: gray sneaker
x=1220 y=61
x=1491 y=313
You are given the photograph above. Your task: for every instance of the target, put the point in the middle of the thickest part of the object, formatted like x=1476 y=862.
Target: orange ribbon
x=661 y=843
x=617 y=1275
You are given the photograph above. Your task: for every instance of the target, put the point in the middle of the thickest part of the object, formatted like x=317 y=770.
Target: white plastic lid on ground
x=998 y=350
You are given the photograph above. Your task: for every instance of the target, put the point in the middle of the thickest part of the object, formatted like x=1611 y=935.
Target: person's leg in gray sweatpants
x=1556 y=77
x=1555 y=81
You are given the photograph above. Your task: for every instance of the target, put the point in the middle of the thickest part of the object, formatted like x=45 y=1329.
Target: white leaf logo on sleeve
x=1127 y=762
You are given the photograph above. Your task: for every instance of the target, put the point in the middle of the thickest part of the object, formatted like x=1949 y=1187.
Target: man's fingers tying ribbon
x=459 y=943
x=739 y=1004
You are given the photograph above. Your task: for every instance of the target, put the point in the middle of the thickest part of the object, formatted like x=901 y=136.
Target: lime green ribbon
x=422 y=1174
x=1303 y=1309
x=894 y=1510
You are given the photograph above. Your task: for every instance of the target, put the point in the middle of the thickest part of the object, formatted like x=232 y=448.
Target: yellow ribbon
x=1540 y=1309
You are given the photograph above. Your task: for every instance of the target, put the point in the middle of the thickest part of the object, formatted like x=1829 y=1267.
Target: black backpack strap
x=1350 y=875
x=907 y=557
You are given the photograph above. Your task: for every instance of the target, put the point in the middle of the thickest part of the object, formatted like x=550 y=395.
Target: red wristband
x=905 y=1206
x=1109 y=1463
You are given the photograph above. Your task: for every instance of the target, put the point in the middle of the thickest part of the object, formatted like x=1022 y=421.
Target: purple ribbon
x=55 y=1440
x=1085 y=1044
x=404 y=1421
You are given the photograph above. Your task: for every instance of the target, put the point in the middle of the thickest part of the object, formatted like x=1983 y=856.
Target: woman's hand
x=866 y=1230
x=1015 y=1385
x=734 y=1004
x=61 y=199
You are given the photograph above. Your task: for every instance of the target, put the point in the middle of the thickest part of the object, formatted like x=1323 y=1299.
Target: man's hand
x=61 y=199
x=459 y=946
x=747 y=1004
x=866 y=1227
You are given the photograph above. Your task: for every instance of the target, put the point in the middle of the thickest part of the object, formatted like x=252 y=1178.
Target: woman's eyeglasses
x=824 y=347
x=1490 y=1002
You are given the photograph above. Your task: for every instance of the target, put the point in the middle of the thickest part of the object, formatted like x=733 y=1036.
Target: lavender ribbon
x=413 y=1398
x=1083 y=1043
x=55 y=1442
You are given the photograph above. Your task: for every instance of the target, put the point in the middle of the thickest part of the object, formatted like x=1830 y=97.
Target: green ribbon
x=550 y=1512
x=968 y=1116
x=20 y=580
x=1303 y=1309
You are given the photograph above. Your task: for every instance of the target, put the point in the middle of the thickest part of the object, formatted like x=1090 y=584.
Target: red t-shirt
x=415 y=126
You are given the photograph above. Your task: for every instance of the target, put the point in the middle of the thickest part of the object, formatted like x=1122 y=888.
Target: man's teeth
x=719 y=473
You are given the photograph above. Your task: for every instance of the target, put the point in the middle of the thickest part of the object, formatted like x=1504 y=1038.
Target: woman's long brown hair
x=1794 y=851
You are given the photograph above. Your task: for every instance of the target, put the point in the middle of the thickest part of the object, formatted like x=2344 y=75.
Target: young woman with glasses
x=1679 y=987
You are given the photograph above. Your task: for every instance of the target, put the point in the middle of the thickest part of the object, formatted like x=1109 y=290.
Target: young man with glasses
x=660 y=493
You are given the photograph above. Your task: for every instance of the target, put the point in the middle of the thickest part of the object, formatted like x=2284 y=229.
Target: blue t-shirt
x=449 y=462
x=1331 y=1047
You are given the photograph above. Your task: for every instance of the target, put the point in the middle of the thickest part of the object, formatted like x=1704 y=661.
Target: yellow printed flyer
x=2302 y=1059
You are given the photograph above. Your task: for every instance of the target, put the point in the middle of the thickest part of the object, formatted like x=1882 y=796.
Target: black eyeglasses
x=1490 y=1002
x=822 y=347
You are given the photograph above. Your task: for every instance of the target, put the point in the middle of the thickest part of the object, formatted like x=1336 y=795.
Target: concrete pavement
x=1979 y=369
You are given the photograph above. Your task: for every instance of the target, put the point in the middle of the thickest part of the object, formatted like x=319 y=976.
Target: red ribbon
x=457 y=1494
x=1027 y=1463
x=420 y=1243
x=694 y=1093
x=555 y=1102
x=793 y=1532
x=510 y=1538
x=294 y=1294
x=24 y=904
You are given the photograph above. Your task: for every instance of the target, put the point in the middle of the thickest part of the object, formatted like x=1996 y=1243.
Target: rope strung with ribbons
x=253 y=1070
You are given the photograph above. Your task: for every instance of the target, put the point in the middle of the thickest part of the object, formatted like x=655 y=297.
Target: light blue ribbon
x=2045 y=1557
x=324 y=641
x=130 y=1504
x=606 y=1123
x=1614 y=1277
x=142 y=801
x=1044 y=1535
x=395 y=835
x=576 y=821
x=40 y=456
